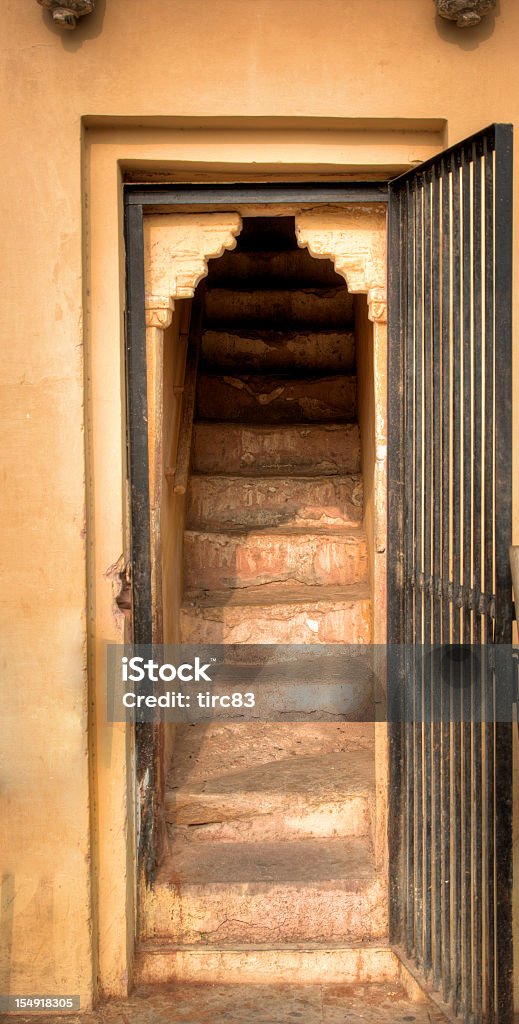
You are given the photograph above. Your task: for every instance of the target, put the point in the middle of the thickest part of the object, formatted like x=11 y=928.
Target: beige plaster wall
x=352 y=63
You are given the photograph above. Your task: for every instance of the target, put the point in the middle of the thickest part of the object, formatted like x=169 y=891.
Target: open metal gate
x=450 y=267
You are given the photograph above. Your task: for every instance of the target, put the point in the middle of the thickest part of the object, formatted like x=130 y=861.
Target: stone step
x=324 y=351
x=315 y=449
x=266 y=614
x=232 y=559
x=292 y=269
x=313 y=889
x=270 y=984
x=212 y=749
x=255 y=398
x=162 y=960
x=294 y=683
x=280 y=308
x=327 y=796
x=219 y=502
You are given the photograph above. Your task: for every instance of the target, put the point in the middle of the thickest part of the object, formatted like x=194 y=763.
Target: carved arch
x=354 y=238
x=177 y=248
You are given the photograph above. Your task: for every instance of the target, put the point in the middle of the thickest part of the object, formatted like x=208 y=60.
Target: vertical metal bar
x=456 y=447
x=504 y=871
x=427 y=504
x=467 y=574
x=410 y=440
x=418 y=590
x=477 y=774
x=456 y=577
x=445 y=427
x=436 y=835
x=467 y=458
x=503 y=377
x=477 y=303
x=489 y=978
x=503 y=518
x=410 y=553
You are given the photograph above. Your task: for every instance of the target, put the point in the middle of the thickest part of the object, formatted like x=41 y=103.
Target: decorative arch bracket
x=354 y=239
x=177 y=248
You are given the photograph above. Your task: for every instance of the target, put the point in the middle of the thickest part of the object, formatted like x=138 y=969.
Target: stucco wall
x=291 y=59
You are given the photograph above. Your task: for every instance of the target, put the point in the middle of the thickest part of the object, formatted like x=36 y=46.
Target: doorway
x=271 y=825
x=378 y=547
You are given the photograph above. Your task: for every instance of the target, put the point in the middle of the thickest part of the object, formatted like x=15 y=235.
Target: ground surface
x=260 y=1004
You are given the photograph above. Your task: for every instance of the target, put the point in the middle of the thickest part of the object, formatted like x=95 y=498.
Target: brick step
x=324 y=351
x=294 y=269
x=314 y=889
x=280 y=308
x=218 y=502
x=270 y=615
x=287 y=964
x=255 y=398
x=313 y=449
x=232 y=559
x=326 y=796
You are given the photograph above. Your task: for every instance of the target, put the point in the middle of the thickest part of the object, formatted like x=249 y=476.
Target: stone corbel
x=159 y=311
x=65 y=13
x=177 y=247
x=354 y=239
x=466 y=13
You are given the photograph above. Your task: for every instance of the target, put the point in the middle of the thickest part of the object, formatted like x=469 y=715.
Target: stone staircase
x=271 y=868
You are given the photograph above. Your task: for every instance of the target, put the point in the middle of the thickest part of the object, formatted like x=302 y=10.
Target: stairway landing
x=384 y=1003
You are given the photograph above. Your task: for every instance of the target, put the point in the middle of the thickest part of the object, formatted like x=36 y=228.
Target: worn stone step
x=314 y=889
x=326 y=796
x=232 y=559
x=268 y=983
x=324 y=351
x=312 y=449
x=270 y=614
x=288 y=964
x=294 y=683
x=219 y=502
x=211 y=749
x=280 y=308
x=255 y=398
x=292 y=269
